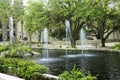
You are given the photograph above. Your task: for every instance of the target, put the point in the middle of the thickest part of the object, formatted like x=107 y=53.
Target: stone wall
x=87 y=42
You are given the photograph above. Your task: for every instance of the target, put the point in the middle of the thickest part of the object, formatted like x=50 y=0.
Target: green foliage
x=34 y=17
x=104 y=19
x=117 y=47
x=22 y=68
x=75 y=74
x=25 y=38
x=18 y=51
x=59 y=33
x=6 y=10
x=0 y=32
x=3 y=48
x=18 y=12
x=75 y=11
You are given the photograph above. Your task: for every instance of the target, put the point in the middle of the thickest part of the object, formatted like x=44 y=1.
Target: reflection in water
x=105 y=65
x=80 y=55
x=49 y=60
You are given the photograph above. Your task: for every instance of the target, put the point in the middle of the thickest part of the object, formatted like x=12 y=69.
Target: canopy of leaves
x=35 y=16
x=72 y=10
x=7 y=9
x=104 y=18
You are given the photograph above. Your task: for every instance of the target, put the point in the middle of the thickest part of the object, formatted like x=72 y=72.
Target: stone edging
x=8 y=77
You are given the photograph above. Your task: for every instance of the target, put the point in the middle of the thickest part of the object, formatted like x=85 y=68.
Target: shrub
x=3 y=48
x=18 y=51
x=117 y=47
x=22 y=68
x=75 y=74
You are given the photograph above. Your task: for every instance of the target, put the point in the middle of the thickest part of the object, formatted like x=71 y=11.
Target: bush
x=75 y=74
x=117 y=47
x=3 y=48
x=18 y=51
x=22 y=68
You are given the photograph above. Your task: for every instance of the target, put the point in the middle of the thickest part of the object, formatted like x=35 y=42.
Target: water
x=82 y=41
x=45 y=50
x=82 y=38
x=105 y=65
x=67 y=24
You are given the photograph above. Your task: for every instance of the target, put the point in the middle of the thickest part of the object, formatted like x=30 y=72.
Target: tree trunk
x=103 y=42
x=73 y=42
x=39 y=35
x=21 y=31
x=30 y=35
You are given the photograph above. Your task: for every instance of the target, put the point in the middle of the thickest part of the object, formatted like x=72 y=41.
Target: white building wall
x=19 y=31
x=115 y=35
x=34 y=37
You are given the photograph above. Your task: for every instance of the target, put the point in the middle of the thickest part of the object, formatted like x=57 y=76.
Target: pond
x=104 y=65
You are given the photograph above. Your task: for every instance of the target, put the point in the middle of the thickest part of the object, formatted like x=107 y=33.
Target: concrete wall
x=19 y=31
x=115 y=35
x=34 y=37
x=4 y=31
x=87 y=42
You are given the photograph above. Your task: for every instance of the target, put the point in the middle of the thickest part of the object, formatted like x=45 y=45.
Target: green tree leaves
x=98 y=15
x=6 y=10
x=104 y=19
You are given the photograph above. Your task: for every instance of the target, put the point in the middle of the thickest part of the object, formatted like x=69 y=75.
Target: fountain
x=82 y=39
x=83 y=58
x=45 y=51
x=59 y=60
x=67 y=24
x=46 y=58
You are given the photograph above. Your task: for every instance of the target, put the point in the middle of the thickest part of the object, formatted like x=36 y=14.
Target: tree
x=104 y=19
x=4 y=9
x=58 y=33
x=34 y=17
x=72 y=10
x=4 y=15
x=18 y=11
x=10 y=9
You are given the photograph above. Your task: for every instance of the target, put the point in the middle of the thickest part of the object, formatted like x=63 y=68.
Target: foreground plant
x=18 y=51
x=3 y=48
x=22 y=68
x=117 y=47
x=75 y=74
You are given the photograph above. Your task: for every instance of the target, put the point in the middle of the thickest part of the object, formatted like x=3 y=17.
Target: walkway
x=8 y=77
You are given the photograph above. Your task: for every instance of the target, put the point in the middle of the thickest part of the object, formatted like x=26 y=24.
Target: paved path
x=8 y=77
